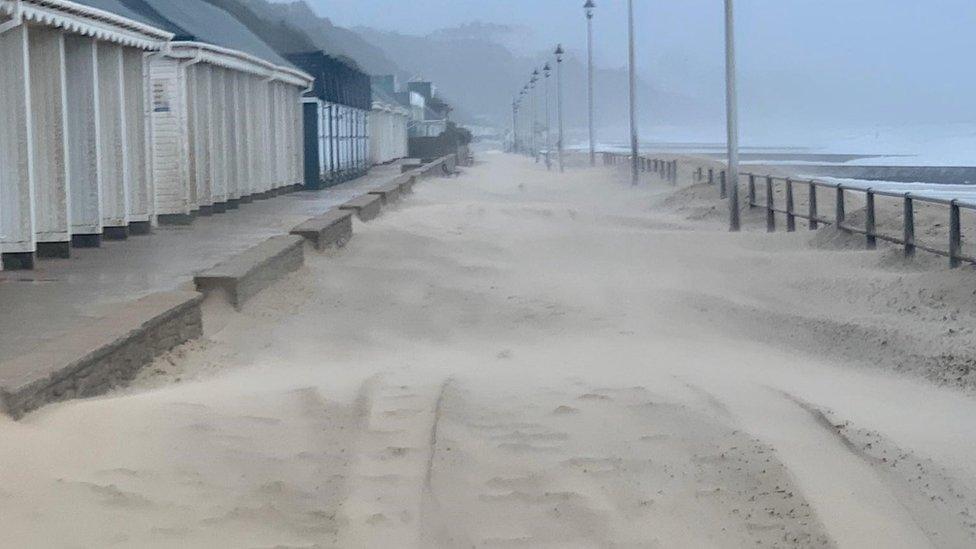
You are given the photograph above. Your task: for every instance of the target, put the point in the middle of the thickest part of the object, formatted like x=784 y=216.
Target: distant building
x=385 y=83
x=389 y=122
x=424 y=88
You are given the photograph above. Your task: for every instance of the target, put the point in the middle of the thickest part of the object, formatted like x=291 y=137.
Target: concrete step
x=100 y=354
x=406 y=183
x=367 y=207
x=244 y=275
x=331 y=229
x=388 y=193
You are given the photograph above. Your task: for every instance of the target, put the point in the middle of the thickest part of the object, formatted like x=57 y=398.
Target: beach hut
x=388 y=128
x=336 y=120
x=226 y=110
x=74 y=157
x=227 y=129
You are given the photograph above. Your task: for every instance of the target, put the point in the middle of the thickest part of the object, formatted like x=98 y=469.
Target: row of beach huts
x=119 y=115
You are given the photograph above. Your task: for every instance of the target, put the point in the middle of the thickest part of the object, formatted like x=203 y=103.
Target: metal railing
x=665 y=169
x=907 y=240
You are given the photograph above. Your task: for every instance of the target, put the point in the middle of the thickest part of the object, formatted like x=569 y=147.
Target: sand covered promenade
x=516 y=358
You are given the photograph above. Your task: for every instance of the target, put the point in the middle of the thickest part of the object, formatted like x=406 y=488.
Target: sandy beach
x=522 y=358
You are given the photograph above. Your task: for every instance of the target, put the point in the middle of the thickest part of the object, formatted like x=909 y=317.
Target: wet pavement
x=60 y=294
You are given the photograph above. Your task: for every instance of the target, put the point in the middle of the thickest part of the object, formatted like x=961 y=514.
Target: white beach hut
x=227 y=128
x=74 y=163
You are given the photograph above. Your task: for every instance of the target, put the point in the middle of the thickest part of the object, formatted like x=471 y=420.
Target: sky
x=864 y=63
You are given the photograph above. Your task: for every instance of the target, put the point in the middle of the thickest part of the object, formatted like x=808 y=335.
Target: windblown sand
x=516 y=358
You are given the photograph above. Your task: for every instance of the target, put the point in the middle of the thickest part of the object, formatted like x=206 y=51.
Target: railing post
x=812 y=200
x=909 y=220
x=870 y=236
x=723 y=192
x=955 y=236
x=840 y=214
x=752 y=191
x=770 y=213
x=790 y=213
x=711 y=176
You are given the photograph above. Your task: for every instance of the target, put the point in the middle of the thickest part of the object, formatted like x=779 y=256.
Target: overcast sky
x=867 y=62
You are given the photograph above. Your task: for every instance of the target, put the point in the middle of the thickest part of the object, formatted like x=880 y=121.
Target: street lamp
x=731 y=117
x=524 y=92
x=559 y=101
x=535 y=117
x=515 y=107
x=588 y=7
x=546 y=71
x=634 y=173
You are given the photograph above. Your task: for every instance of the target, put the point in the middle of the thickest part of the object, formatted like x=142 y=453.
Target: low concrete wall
x=333 y=228
x=388 y=193
x=406 y=183
x=111 y=349
x=101 y=354
x=244 y=275
x=367 y=207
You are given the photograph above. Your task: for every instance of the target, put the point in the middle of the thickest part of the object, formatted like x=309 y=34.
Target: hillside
x=471 y=63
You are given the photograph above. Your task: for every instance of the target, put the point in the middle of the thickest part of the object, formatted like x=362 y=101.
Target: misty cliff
x=475 y=64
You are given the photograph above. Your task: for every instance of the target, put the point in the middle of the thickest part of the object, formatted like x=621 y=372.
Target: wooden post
x=909 y=225
x=752 y=191
x=870 y=239
x=955 y=236
x=790 y=209
x=711 y=176
x=840 y=212
x=722 y=190
x=699 y=175
x=674 y=172
x=770 y=214
x=812 y=201
x=790 y=213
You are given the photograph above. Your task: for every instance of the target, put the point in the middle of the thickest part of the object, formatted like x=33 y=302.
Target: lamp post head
x=559 y=53
x=588 y=6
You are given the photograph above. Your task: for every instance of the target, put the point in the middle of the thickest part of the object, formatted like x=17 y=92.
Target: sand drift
x=514 y=358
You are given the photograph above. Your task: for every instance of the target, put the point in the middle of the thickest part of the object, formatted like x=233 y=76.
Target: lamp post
x=559 y=102
x=546 y=71
x=588 y=7
x=525 y=90
x=535 y=118
x=634 y=173
x=515 y=107
x=731 y=117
